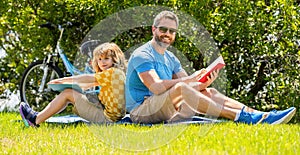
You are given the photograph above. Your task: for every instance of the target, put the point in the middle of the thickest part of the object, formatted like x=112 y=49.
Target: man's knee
x=212 y=90
x=180 y=86
x=184 y=89
x=177 y=90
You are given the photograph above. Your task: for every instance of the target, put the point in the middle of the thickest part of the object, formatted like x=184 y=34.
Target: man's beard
x=159 y=41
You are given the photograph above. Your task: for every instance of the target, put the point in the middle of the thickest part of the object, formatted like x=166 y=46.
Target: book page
x=216 y=65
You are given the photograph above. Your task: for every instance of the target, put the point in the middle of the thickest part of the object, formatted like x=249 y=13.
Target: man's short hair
x=165 y=15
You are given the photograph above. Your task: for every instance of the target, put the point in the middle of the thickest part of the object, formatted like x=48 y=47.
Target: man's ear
x=153 y=28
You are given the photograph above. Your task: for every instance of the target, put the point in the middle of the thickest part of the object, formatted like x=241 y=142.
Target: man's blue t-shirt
x=146 y=58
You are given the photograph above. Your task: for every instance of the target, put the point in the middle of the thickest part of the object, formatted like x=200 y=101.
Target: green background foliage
x=259 y=40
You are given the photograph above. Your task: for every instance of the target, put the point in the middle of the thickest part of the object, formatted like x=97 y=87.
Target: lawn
x=223 y=138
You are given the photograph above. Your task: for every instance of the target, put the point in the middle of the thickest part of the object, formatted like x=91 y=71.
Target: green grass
x=225 y=138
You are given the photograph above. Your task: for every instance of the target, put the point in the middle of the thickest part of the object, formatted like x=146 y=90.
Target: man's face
x=165 y=32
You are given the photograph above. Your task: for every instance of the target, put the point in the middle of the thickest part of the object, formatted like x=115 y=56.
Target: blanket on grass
x=126 y=120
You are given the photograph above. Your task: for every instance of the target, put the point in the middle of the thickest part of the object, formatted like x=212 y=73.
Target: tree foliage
x=259 y=40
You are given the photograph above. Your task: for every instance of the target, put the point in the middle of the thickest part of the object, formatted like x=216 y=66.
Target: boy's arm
x=86 y=79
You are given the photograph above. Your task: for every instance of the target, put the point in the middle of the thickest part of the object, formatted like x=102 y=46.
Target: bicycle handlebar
x=50 y=25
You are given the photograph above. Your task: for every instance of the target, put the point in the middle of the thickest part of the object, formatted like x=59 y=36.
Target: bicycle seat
x=88 y=47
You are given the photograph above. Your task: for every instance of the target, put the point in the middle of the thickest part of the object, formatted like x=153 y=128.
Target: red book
x=216 y=65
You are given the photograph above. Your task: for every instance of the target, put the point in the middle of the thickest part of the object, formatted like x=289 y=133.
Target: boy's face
x=165 y=32
x=105 y=62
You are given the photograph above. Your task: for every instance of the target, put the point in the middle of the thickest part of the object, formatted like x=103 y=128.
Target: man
x=159 y=90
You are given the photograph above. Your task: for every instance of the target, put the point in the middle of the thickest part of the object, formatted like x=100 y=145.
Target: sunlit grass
x=224 y=138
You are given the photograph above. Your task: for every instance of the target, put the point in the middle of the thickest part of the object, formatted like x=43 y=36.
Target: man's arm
x=180 y=74
x=157 y=86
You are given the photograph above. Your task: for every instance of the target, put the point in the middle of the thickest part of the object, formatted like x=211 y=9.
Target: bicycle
x=33 y=87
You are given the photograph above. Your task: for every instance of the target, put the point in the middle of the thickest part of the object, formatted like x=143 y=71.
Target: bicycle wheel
x=31 y=91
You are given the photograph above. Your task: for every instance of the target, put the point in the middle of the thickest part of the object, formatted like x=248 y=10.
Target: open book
x=61 y=87
x=216 y=65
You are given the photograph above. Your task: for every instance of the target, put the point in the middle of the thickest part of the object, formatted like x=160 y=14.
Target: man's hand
x=194 y=77
x=210 y=79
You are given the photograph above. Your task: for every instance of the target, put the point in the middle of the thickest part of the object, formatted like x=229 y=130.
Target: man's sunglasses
x=163 y=29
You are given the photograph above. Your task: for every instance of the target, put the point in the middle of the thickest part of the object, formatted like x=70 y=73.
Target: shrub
x=259 y=41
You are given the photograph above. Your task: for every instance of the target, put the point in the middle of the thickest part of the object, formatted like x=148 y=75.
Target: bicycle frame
x=69 y=66
x=33 y=86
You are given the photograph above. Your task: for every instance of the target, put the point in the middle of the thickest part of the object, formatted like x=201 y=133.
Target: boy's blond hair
x=109 y=50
